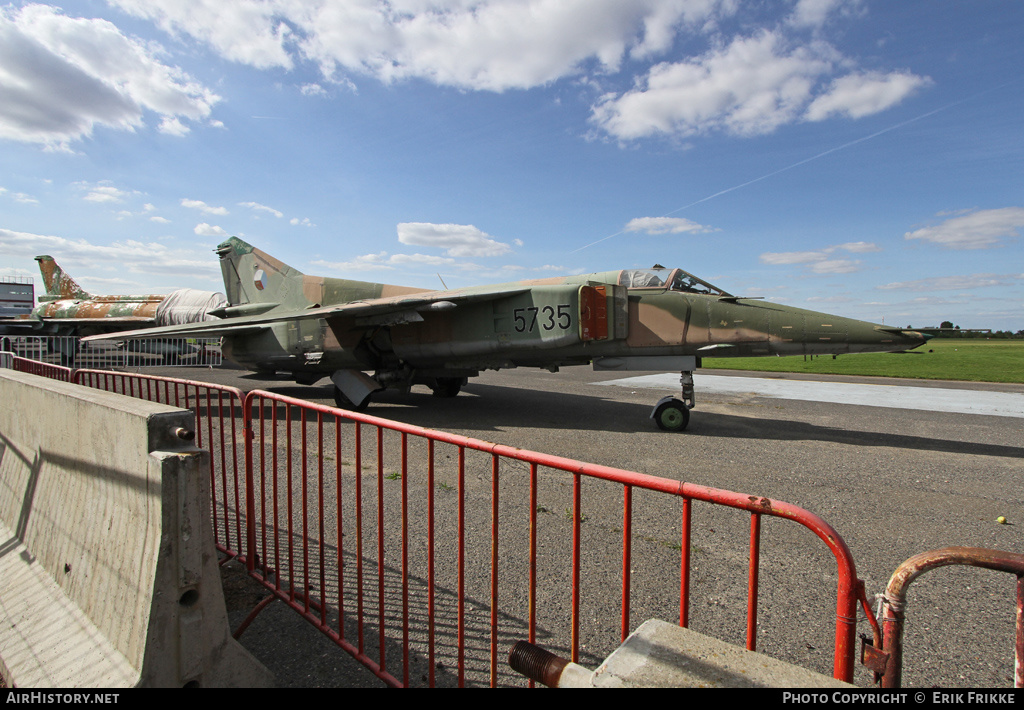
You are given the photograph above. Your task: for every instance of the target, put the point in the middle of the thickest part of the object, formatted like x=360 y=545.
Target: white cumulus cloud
x=491 y=45
x=62 y=76
x=982 y=229
x=858 y=95
x=822 y=261
x=257 y=207
x=665 y=225
x=312 y=90
x=815 y=13
x=103 y=193
x=126 y=256
x=203 y=207
x=750 y=87
x=172 y=126
x=458 y=240
x=209 y=230
x=954 y=283
x=742 y=85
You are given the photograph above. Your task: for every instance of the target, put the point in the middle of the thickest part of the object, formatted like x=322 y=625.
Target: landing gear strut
x=448 y=386
x=353 y=388
x=671 y=414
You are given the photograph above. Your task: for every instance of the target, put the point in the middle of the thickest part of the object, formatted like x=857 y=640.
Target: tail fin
x=57 y=282
x=253 y=276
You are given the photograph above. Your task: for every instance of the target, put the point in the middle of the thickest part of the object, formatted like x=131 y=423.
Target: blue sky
x=856 y=157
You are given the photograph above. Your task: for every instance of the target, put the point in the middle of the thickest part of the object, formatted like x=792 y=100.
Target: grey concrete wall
x=108 y=573
x=664 y=655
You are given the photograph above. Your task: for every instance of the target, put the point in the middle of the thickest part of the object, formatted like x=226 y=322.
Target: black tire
x=344 y=402
x=672 y=416
x=447 y=386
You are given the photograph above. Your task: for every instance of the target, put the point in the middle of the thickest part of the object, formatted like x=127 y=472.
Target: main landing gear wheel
x=447 y=386
x=671 y=415
x=344 y=402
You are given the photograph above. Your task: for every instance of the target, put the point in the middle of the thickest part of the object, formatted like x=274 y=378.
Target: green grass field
x=939 y=359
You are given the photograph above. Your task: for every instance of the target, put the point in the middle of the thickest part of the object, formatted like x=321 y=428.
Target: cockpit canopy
x=672 y=279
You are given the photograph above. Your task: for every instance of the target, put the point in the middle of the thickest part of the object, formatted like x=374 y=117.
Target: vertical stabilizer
x=58 y=283
x=253 y=276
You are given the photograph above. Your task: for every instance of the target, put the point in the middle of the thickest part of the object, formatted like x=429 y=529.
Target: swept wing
x=392 y=310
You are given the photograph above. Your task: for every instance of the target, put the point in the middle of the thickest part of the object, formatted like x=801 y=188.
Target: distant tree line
x=948 y=330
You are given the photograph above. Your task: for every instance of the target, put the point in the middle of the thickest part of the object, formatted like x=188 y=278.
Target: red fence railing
x=423 y=553
x=321 y=478
x=43 y=369
x=887 y=659
x=219 y=429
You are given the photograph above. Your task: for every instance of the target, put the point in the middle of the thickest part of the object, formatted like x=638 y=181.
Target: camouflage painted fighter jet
x=634 y=319
x=67 y=309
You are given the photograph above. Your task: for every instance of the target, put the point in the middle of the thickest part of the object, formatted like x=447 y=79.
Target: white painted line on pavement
x=1001 y=404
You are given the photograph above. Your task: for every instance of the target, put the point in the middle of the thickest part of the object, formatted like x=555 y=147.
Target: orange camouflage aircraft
x=68 y=309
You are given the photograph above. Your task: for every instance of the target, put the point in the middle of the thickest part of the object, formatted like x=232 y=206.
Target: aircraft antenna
x=442 y=282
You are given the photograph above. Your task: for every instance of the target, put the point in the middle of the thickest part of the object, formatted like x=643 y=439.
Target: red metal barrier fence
x=219 y=429
x=43 y=369
x=888 y=664
x=352 y=534
x=426 y=555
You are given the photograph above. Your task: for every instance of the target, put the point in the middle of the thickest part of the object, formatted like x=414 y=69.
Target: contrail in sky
x=802 y=162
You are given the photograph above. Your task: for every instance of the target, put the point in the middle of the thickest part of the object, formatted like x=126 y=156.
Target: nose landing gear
x=671 y=414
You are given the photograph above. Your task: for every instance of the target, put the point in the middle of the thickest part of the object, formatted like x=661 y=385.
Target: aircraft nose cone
x=866 y=337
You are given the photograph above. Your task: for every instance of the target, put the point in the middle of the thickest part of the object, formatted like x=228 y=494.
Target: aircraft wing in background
x=393 y=310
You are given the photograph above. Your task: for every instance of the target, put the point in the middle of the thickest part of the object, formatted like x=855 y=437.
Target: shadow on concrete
x=492 y=408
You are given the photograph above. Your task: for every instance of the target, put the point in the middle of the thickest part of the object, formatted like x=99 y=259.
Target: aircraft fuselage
x=558 y=322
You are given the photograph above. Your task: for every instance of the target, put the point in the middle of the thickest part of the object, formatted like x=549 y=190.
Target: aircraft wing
x=427 y=300
x=208 y=329
x=22 y=323
x=108 y=320
x=28 y=326
x=393 y=310
x=396 y=310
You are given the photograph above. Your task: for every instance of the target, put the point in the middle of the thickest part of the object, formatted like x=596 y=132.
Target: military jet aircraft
x=68 y=309
x=279 y=319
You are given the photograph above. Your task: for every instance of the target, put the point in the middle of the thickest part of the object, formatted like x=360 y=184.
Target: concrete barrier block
x=664 y=655
x=108 y=573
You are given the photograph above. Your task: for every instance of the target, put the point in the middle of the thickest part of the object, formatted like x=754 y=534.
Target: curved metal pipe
x=894 y=615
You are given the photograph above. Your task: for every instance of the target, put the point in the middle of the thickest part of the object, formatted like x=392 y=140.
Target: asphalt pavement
x=894 y=481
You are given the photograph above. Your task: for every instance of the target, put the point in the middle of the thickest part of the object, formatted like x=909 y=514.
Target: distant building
x=17 y=296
